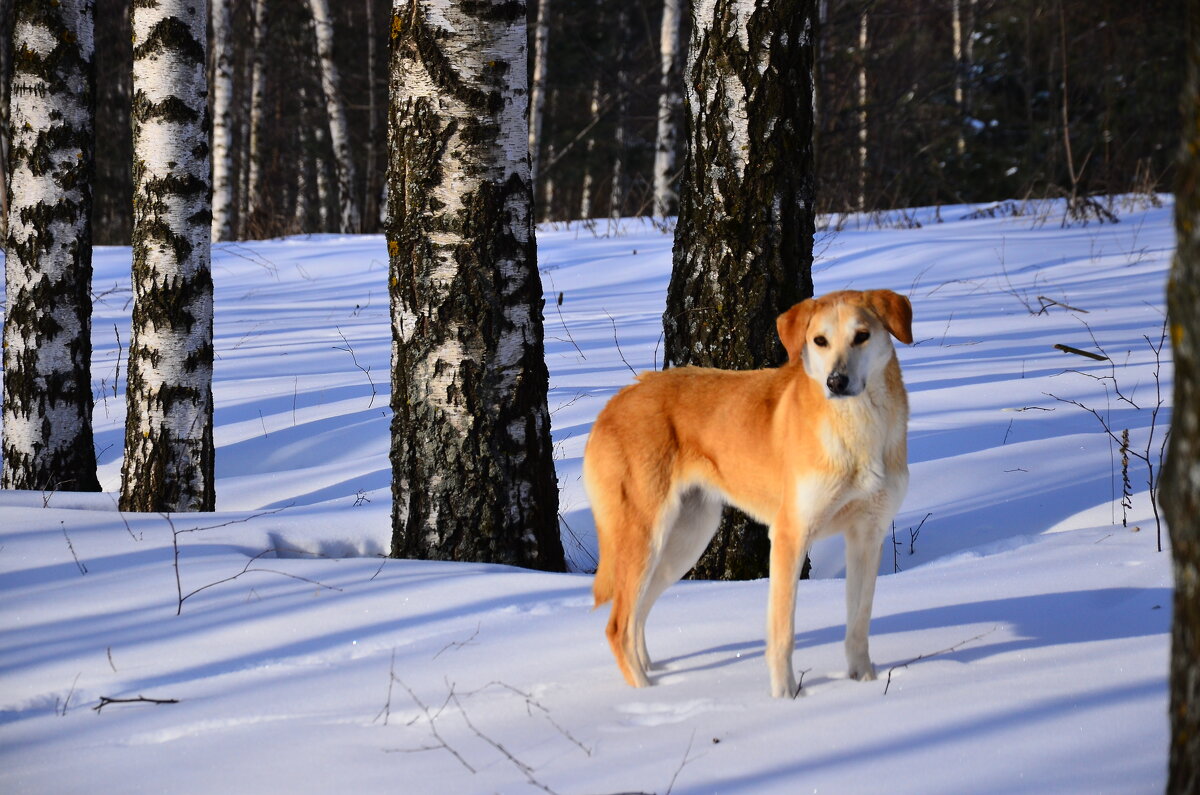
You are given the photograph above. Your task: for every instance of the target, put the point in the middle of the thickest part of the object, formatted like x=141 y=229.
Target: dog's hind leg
x=863 y=549
x=686 y=535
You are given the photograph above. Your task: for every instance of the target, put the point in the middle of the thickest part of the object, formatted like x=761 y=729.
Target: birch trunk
x=254 y=179
x=473 y=475
x=586 y=193
x=537 y=95
x=743 y=244
x=168 y=427
x=1179 y=491
x=957 y=42
x=335 y=110
x=670 y=101
x=616 y=196
x=47 y=414
x=372 y=188
x=222 y=121
x=6 y=20
x=863 y=43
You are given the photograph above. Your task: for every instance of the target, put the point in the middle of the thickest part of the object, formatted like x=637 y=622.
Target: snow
x=1020 y=637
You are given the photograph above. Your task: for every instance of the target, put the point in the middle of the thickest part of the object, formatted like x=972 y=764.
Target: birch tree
x=473 y=475
x=222 y=120
x=537 y=90
x=168 y=426
x=47 y=441
x=864 y=42
x=335 y=110
x=254 y=179
x=743 y=244
x=1180 y=484
x=670 y=101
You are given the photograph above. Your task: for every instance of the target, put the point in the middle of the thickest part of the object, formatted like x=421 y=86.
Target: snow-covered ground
x=1021 y=635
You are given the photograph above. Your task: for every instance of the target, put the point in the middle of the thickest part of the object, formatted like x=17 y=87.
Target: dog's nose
x=837 y=383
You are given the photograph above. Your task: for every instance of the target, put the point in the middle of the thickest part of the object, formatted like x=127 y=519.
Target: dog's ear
x=792 y=326
x=893 y=310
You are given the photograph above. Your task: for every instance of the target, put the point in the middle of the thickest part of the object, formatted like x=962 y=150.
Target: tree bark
x=222 y=120
x=473 y=475
x=588 y=188
x=864 y=42
x=47 y=441
x=335 y=109
x=537 y=90
x=168 y=427
x=616 y=191
x=743 y=244
x=1179 y=490
x=670 y=102
x=257 y=152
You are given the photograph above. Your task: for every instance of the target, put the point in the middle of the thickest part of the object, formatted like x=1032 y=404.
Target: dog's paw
x=863 y=672
x=784 y=687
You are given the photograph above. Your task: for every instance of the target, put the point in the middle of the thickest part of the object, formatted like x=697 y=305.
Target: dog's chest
x=856 y=447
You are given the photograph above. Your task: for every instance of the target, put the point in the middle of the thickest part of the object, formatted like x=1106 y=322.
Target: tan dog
x=816 y=447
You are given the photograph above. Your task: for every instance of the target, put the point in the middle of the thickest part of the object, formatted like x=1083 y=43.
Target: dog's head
x=842 y=338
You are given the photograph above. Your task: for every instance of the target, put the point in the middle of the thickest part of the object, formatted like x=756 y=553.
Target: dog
x=812 y=448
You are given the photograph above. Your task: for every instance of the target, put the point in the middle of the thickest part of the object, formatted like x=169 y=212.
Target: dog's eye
x=861 y=337
x=820 y=342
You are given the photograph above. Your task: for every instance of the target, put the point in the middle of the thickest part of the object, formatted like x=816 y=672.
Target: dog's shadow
x=1032 y=621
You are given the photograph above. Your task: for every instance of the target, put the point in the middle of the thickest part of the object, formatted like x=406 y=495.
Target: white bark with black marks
x=47 y=413
x=254 y=180
x=473 y=475
x=537 y=95
x=335 y=110
x=168 y=429
x=670 y=102
x=222 y=120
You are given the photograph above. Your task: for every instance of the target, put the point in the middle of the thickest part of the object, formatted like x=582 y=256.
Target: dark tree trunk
x=112 y=215
x=743 y=245
x=168 y=426
x=1179 y=491
x=473 y=475
x=47 y=441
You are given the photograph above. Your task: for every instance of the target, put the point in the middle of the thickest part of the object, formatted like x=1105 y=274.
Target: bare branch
x=105 y=701
x=927 y=655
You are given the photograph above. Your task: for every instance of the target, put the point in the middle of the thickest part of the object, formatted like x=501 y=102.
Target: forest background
x=919 y=102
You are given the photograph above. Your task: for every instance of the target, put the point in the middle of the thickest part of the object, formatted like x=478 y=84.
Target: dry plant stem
x=558 y=306
x=365 y=370
x=1142 y=455
x=458 y=644
x=683 y=762
x=175 y=533
x=525 y=769
x=618 y=344
x=431 y=720
x=78 y=563
x=926 y=656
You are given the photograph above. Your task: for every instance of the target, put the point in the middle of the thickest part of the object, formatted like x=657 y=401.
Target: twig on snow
x=105 y=701
x=927 y=655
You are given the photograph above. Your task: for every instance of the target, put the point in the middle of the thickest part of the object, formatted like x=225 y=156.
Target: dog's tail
x=602 y=585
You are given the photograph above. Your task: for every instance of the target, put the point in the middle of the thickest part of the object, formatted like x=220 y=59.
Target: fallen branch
x=926 y=656
x=105 y=701
x=1077 y=352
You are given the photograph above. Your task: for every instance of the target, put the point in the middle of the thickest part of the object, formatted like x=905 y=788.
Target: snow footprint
x=642 y=714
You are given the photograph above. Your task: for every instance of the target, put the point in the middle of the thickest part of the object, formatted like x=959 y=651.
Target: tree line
x=918 y=102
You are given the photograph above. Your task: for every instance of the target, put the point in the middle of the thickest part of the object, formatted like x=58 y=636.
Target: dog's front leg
x=788 y=544
x=863 y=548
